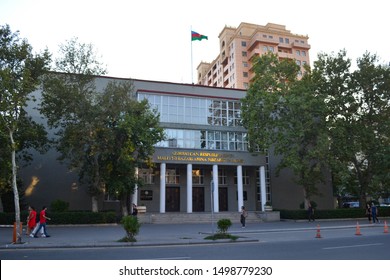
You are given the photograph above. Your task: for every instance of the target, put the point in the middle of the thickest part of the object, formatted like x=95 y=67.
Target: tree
x=287 y=116
x=133 y=130
x=358 y=121
x=105 y=134
x=20 y=71
x=69 y=104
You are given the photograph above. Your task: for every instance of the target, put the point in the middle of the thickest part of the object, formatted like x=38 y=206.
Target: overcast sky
x=150 y=39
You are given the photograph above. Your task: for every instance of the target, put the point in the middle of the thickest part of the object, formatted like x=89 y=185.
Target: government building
x=203 y=165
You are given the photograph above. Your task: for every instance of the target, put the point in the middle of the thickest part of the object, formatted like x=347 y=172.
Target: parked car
x=351 y=204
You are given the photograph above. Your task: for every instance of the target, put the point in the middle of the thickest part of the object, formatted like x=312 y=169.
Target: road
x=334 y=244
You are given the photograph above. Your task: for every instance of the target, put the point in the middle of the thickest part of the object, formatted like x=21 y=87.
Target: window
x=197 y=177
x=245 y=85
x=245 y=63
x=271 y=48
x=287 y=40
x=245 y=74
x=211 y=140
x=243 y=43
x=281 y=40
x=298 y=52
x=298 y=62
x=147 y=175
x=303 y=53
x=245 y=177
x=222 y=177
x=172 y=177
x=244 y=54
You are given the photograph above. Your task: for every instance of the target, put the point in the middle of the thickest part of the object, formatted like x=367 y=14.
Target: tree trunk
x=1 y=205
x=15 y=190
x=95 y=207
x=125 y=205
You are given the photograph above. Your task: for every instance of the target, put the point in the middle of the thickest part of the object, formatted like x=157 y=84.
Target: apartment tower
x=233 y=69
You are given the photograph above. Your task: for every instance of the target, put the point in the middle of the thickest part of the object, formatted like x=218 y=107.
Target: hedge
x=346 y=213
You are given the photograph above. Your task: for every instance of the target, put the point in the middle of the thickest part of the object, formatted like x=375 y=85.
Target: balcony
x=301 y=45
x=286 y=55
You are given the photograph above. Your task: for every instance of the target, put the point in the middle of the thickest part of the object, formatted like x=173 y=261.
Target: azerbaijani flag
x=196 y=36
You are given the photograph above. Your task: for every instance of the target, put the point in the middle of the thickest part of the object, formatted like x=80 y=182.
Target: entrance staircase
x=205 y=217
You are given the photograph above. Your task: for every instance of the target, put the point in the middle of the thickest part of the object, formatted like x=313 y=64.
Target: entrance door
x=172 y=199
x=198 y=199
x=223 y=199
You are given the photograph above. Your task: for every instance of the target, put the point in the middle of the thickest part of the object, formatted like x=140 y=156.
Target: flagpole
x=192 y=68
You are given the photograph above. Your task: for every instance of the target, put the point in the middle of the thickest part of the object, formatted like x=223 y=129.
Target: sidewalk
x=78 y=236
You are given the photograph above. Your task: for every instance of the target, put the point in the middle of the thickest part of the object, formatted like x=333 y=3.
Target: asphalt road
x=334 y=244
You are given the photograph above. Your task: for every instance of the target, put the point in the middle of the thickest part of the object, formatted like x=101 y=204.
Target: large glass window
x=179 y=109
x=202 y=139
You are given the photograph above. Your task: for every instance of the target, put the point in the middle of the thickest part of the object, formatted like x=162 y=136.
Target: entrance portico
x=221 y=187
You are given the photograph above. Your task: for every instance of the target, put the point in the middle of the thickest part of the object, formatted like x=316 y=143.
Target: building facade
x=232 y=68
x=203 y=165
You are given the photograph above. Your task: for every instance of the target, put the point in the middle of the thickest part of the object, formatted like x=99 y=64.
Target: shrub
x=59 y=206
x=131 y=226
x=224 y=225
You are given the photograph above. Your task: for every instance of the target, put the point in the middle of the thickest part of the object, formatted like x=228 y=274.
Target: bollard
x=15 y=234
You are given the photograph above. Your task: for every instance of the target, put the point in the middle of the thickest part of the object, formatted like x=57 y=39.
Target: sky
x=151 y=39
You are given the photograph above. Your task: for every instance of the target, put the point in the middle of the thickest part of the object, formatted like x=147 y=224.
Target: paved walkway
x=72 y=236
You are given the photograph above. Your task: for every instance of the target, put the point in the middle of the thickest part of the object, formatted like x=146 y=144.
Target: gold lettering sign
x=205 y=157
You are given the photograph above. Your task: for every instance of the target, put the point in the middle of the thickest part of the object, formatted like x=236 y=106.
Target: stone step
x=182 y=218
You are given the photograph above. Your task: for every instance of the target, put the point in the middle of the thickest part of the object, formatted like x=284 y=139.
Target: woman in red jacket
x=31 y=219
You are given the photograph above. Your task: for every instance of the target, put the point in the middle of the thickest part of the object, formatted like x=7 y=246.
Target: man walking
x=42 y=220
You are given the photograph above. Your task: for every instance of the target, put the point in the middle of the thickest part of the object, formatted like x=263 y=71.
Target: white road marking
x=353 y=246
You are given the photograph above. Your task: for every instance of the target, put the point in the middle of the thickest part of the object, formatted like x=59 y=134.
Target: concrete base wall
x=186 y=218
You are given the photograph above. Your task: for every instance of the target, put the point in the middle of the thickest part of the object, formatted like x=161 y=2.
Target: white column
x=134 y=199
x=189 y=188
x=215 y=194
x=240 y=189
x=163 y=167
x=262 y=188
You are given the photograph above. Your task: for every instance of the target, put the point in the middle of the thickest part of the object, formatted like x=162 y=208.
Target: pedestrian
x=374 y=213
x=42 y=220
x=310 y=212
x=135 y=210
x=368 y=212
x=243 y=216
x=31 y=220
x=37 y=224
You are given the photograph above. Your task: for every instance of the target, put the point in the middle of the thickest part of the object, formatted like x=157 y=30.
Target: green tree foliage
x=20 y=71
x=103 y=134
x=69 y=102
x=132 y=131
x=287 y=116
x=358 y=103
